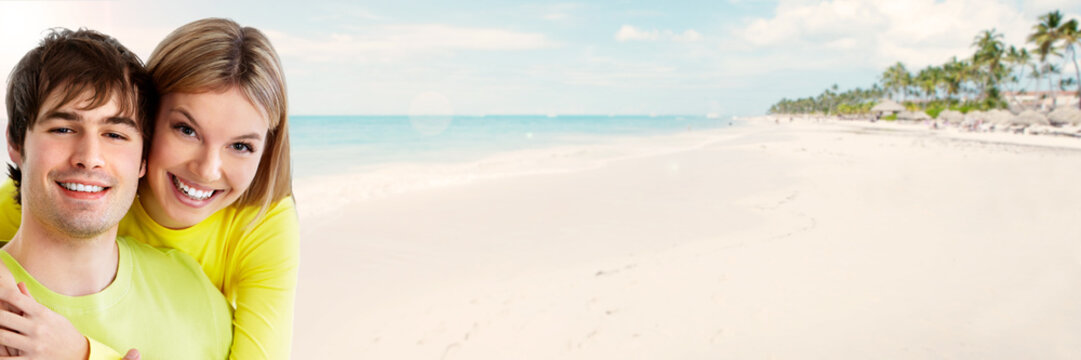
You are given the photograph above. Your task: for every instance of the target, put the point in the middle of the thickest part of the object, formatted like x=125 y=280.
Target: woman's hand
x=10 y=313
x=7 y=281
x=37 y=332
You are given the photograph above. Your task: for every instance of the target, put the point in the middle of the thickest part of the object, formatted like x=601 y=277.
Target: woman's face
x=205 y=153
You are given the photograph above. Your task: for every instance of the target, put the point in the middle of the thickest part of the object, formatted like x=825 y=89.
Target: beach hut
x=913 y=116
x=887 y=106
x=975 y=116
x=1001 y=117
x=1065 y=115
x=951 y=116
x=1029 y=117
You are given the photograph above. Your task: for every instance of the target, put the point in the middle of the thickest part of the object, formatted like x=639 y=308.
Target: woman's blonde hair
x=218 y=54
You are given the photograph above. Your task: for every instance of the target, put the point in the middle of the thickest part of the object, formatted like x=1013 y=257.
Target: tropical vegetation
x=979 y=81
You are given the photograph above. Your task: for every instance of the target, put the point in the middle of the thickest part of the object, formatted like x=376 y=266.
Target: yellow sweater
x=155 y=292
x=254 y=267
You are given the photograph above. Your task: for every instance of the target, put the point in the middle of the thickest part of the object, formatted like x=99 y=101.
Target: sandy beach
x=797 y=240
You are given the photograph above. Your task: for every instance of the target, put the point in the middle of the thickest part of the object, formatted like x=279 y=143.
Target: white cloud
x=388 y=42
x=346 y=12
x=877 y=33
x=687 y=36
x=630 y=33
x=556 y=12
x=1040 y=7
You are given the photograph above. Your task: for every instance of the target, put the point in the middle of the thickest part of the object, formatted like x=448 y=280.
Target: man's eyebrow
x=122 y=120
x=62 y=115
x=71 y=116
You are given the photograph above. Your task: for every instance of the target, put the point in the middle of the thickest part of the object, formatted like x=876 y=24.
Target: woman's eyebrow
x=187 y=115
x=251 y=136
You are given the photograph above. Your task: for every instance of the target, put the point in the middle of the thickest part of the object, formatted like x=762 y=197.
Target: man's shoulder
x=169 y=271
x=170 y=285
x=160 y=260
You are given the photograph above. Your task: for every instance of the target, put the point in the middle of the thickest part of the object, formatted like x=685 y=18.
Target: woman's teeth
x=82 y=187
x=191 y=192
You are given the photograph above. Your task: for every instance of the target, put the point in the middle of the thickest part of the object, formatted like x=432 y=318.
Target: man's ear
x=142 y=168
x=15 y=155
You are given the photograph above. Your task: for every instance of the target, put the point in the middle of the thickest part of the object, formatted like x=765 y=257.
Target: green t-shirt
x=160 y=303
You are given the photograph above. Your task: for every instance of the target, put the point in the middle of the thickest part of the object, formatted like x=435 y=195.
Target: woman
x=218 y=183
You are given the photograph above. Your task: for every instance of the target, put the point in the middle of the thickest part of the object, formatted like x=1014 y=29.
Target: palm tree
x=1044 y=35
x=1017 y=59
x=953 y=76
x=1035 y=76
x=988 y=61
x=876 y=92
x=1050 y=70
x=928 y=80
x=1071 y=36
x=896 y=78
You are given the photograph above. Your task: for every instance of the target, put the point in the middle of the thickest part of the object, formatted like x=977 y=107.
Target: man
x=79 y=108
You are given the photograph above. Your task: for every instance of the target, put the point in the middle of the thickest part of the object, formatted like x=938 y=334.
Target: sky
x=729 y=57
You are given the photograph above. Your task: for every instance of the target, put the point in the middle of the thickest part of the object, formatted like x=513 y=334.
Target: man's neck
x=66 y=265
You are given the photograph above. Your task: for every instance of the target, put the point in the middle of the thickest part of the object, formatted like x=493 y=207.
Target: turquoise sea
x=347 y=144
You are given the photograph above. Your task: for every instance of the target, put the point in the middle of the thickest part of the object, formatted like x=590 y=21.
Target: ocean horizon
x=336 y=144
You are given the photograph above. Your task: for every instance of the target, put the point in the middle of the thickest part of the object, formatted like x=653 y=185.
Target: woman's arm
x=264 y=285
x=10 y=217
x=31 y=330
x=10 y=212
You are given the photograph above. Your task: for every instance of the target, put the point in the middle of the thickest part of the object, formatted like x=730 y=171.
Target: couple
x=151 y=207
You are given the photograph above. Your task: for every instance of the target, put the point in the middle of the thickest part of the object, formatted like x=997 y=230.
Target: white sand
x=792 y=241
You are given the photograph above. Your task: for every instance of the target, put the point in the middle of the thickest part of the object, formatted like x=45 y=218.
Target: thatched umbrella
x=1029 y=117
x=1065 y=115
x=999 y=116
x=951 y=116
x=887 y=105
x=975 y=115
x=913 y=115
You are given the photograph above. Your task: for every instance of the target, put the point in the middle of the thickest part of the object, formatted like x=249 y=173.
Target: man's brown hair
x=75 y=64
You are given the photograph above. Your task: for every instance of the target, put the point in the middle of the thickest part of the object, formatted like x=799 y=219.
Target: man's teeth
x=82 y=187
x=190 y=192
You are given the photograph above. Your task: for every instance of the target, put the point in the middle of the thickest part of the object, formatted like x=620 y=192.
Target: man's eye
x=62 y=131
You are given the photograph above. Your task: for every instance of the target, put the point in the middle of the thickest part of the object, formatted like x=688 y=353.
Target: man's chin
x=84 y=231
x=85 y=224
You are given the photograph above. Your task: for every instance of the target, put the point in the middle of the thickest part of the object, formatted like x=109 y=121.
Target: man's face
x=80 y=168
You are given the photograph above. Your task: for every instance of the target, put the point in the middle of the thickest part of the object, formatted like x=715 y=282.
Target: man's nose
x=87 y=154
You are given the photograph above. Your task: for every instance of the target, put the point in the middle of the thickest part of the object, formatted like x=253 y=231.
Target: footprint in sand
x=716 y=336
x=449 y=349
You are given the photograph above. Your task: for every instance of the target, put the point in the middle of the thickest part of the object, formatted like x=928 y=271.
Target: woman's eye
x=242 y=147
x=184 y=129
